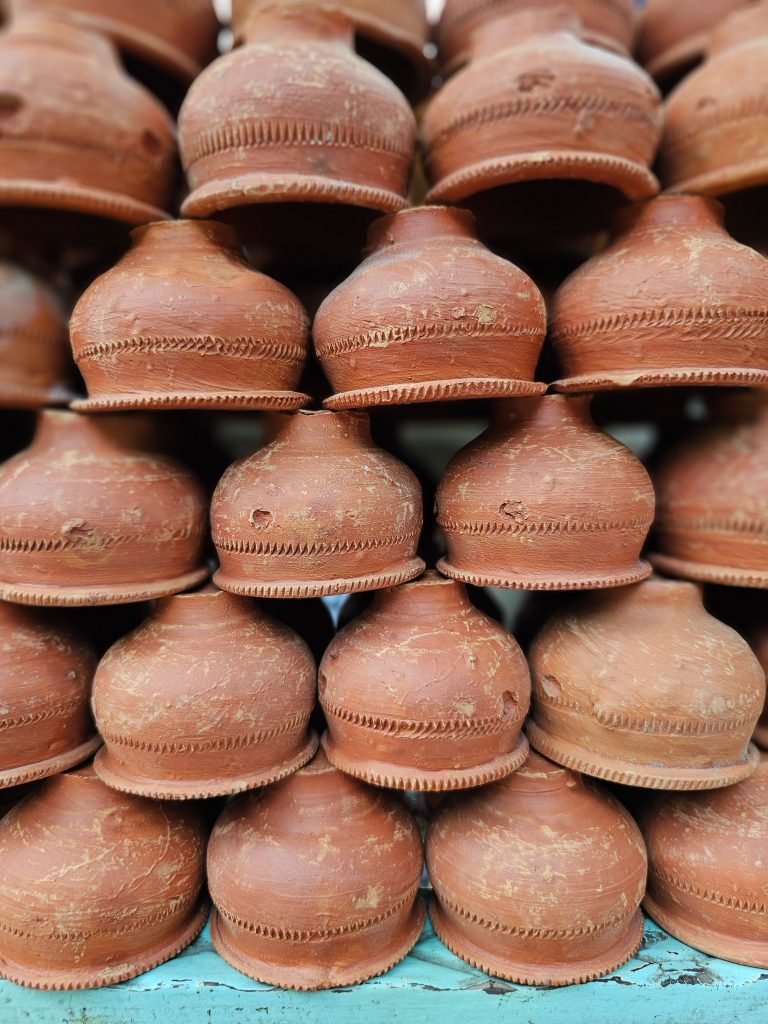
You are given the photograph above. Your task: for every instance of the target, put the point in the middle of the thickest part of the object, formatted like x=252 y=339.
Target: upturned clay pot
x=708 y=875
x=716 y=121
x=209 y=696
x=45 y=688
x=544 y=500
x=35 y=367
x=712 y=502
x=315 y=881
x=537 y=102
x=319 y=510
x=97 y=886
x=538 y=878
x=255 y=129
x=430 y=315
x=424 y=692
x=758 y=641
x=84 y=520
x=675 y=300
x=76 y=133
x=182 y=321
x=642 y=686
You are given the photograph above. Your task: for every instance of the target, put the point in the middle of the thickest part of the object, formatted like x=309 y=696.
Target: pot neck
x=548 y=19
x=59 y=430
x=325 y=432
x=547 y=413
x=747 y=26
x=657 y=597
x=58 y=30
x=684 y=214
x=538 y=775
x=209 y=608
x=181 y=239
x=431 y=595
x=292 y=22
x=422 y=223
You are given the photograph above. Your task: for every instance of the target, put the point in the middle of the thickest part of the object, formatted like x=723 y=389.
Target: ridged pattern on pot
x=698 y=315
x=97 y=886
x=303 y=912
x=672 y=37
x=181 y=315
x=318 y=510
x=429 y=311
x=536 y=102
x=538 y=878
x=708 y=874
x=544 y=500
x=347 y=136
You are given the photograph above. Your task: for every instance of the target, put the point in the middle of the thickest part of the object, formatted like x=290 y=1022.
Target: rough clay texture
x=758 y=641
x=318 y=510
x=642 y=686
x=96 y=886
x=708 y=875
x=538 y=877
x=208 y=696
x=315 y=880
x=430 y=306
x=537 y=102
x=672 y=37
x=182 y=319
x=545 y=500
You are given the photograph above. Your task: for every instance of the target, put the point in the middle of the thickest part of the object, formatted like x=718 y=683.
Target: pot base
x=673 y=377
x=58 y=597
x=318 y=588
x=512 y=582
x=434 y=391
x=51 y=765
x=726 y=575
x=57 y=195
x=751 y=953
x=735 y=178
x=280 y=400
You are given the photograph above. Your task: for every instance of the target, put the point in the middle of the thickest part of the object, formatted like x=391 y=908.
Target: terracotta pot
x=543 y=500
x=182 y=321
x=538 y=878
x=84 y=520
x=758 y=641
x=35 y=364
x=315 y=881
x=536 y=102
x=641 y=315
x=642 y=686
x=209 y=696
x=45 y=687
x=716 y=121
x=98 y=886
x=76 y=132
x=430 y=315
x=708 y=875
x=254 y=129
x=319 y=510
x=424 y=692
x=712 y=494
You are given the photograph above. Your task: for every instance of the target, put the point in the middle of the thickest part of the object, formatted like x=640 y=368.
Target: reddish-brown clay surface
x=97 y=886
x=430 y=315
x=315 y=881
x=758 y=641
x=642 y=686
x=182 y=321
x=538 y=878
x=45 y=688
x=86 y=520
x=708 y=873
x=77 y=133
x=424 y=692
x=254 y=129
x=674 y=300
x=537 y=102
x=319 y=510
x=543 y=500
x=208 y=696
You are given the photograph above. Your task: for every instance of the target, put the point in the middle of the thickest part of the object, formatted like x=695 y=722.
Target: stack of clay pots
x=200 y=418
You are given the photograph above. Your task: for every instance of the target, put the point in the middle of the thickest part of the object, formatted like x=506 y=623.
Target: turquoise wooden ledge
x=667 y=983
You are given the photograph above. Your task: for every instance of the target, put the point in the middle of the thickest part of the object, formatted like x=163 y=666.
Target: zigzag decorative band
x=400 y=334
x=220 y=743
x=528 y=526
x=239 y=347
x=259 y=547
x=710 y=895
x=590 y=928
x=424 y=730
x=732 y=323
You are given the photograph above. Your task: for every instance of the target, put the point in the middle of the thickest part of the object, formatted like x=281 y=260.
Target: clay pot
x=758 y=641
x=254 y=129
x=641 y=315
x=315 y=881
x=319 y=510
x=45 y=688
x=716 y=121
x=208 y=696
x=182 y=321
x=424 y=692
x=538 y=878
x=430 y=315
x=98 y=886
x=543 y=500
x=84 y=520
x=708 y=876
x=536 y=102
x=35 y=366
x=76 y=132
x=642 y=686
